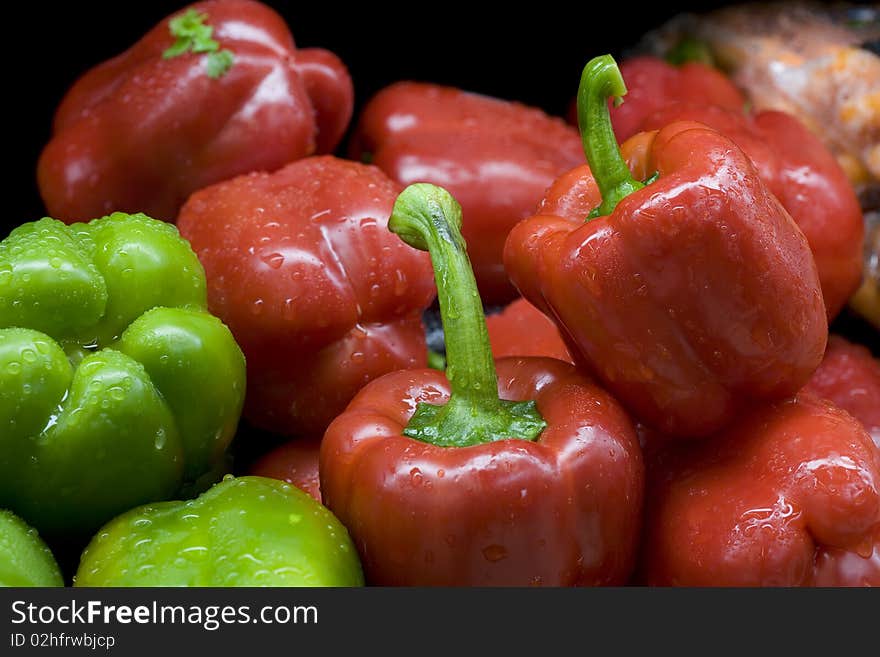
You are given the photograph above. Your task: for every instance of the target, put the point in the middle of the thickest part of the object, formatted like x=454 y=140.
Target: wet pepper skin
x=141 y=132
x=117 y=387
x=25 y=560
x=496 y=157
x=564 y=510
x=697 y=296
x=806 y=178
x=784 y=497
x=849 y=376
x=319 y=294
x=249 y=531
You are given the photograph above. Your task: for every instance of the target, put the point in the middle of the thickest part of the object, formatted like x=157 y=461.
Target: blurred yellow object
x=816 y=61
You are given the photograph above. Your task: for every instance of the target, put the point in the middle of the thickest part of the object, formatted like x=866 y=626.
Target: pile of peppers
x=218 y=366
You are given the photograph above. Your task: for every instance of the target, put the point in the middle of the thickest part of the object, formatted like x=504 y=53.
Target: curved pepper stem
x=600 y=81
x=429 y=218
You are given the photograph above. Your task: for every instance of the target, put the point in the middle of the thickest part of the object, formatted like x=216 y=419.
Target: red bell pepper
x=495 y=157
x=446 y=480
x=319 y=295
x=520 y=329
x=691 y=297
x=849 y=376
x=295 y=462
x=216 y=90
x=787 y=496
x=806 y=178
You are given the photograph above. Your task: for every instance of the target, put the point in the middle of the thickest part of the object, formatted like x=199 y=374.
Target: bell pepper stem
x=428 y=218
x=601 y=80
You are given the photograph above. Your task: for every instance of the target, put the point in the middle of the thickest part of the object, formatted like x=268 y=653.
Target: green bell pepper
x=25 y=560
x=249 y=531
x=117 y=387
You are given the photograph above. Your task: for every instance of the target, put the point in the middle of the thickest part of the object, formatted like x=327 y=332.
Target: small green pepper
x=24 y=559
x=117 y=388
x=249 y=531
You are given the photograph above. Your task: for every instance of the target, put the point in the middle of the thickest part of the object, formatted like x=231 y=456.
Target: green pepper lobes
x=250 y=531
x=117 y=387
x=25 y=560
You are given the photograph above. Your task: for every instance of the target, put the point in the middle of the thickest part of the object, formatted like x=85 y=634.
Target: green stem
x=600 y=81
x=428 y=218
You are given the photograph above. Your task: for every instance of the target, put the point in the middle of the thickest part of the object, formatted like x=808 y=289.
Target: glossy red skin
x=784 y=497
x=495 y=157
x=564 y=510
x=295 y=462
x=849 y=376
x=523 y=330
x=806 y=178
x=696 y=297
x=140 y=133
x=320 y=296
